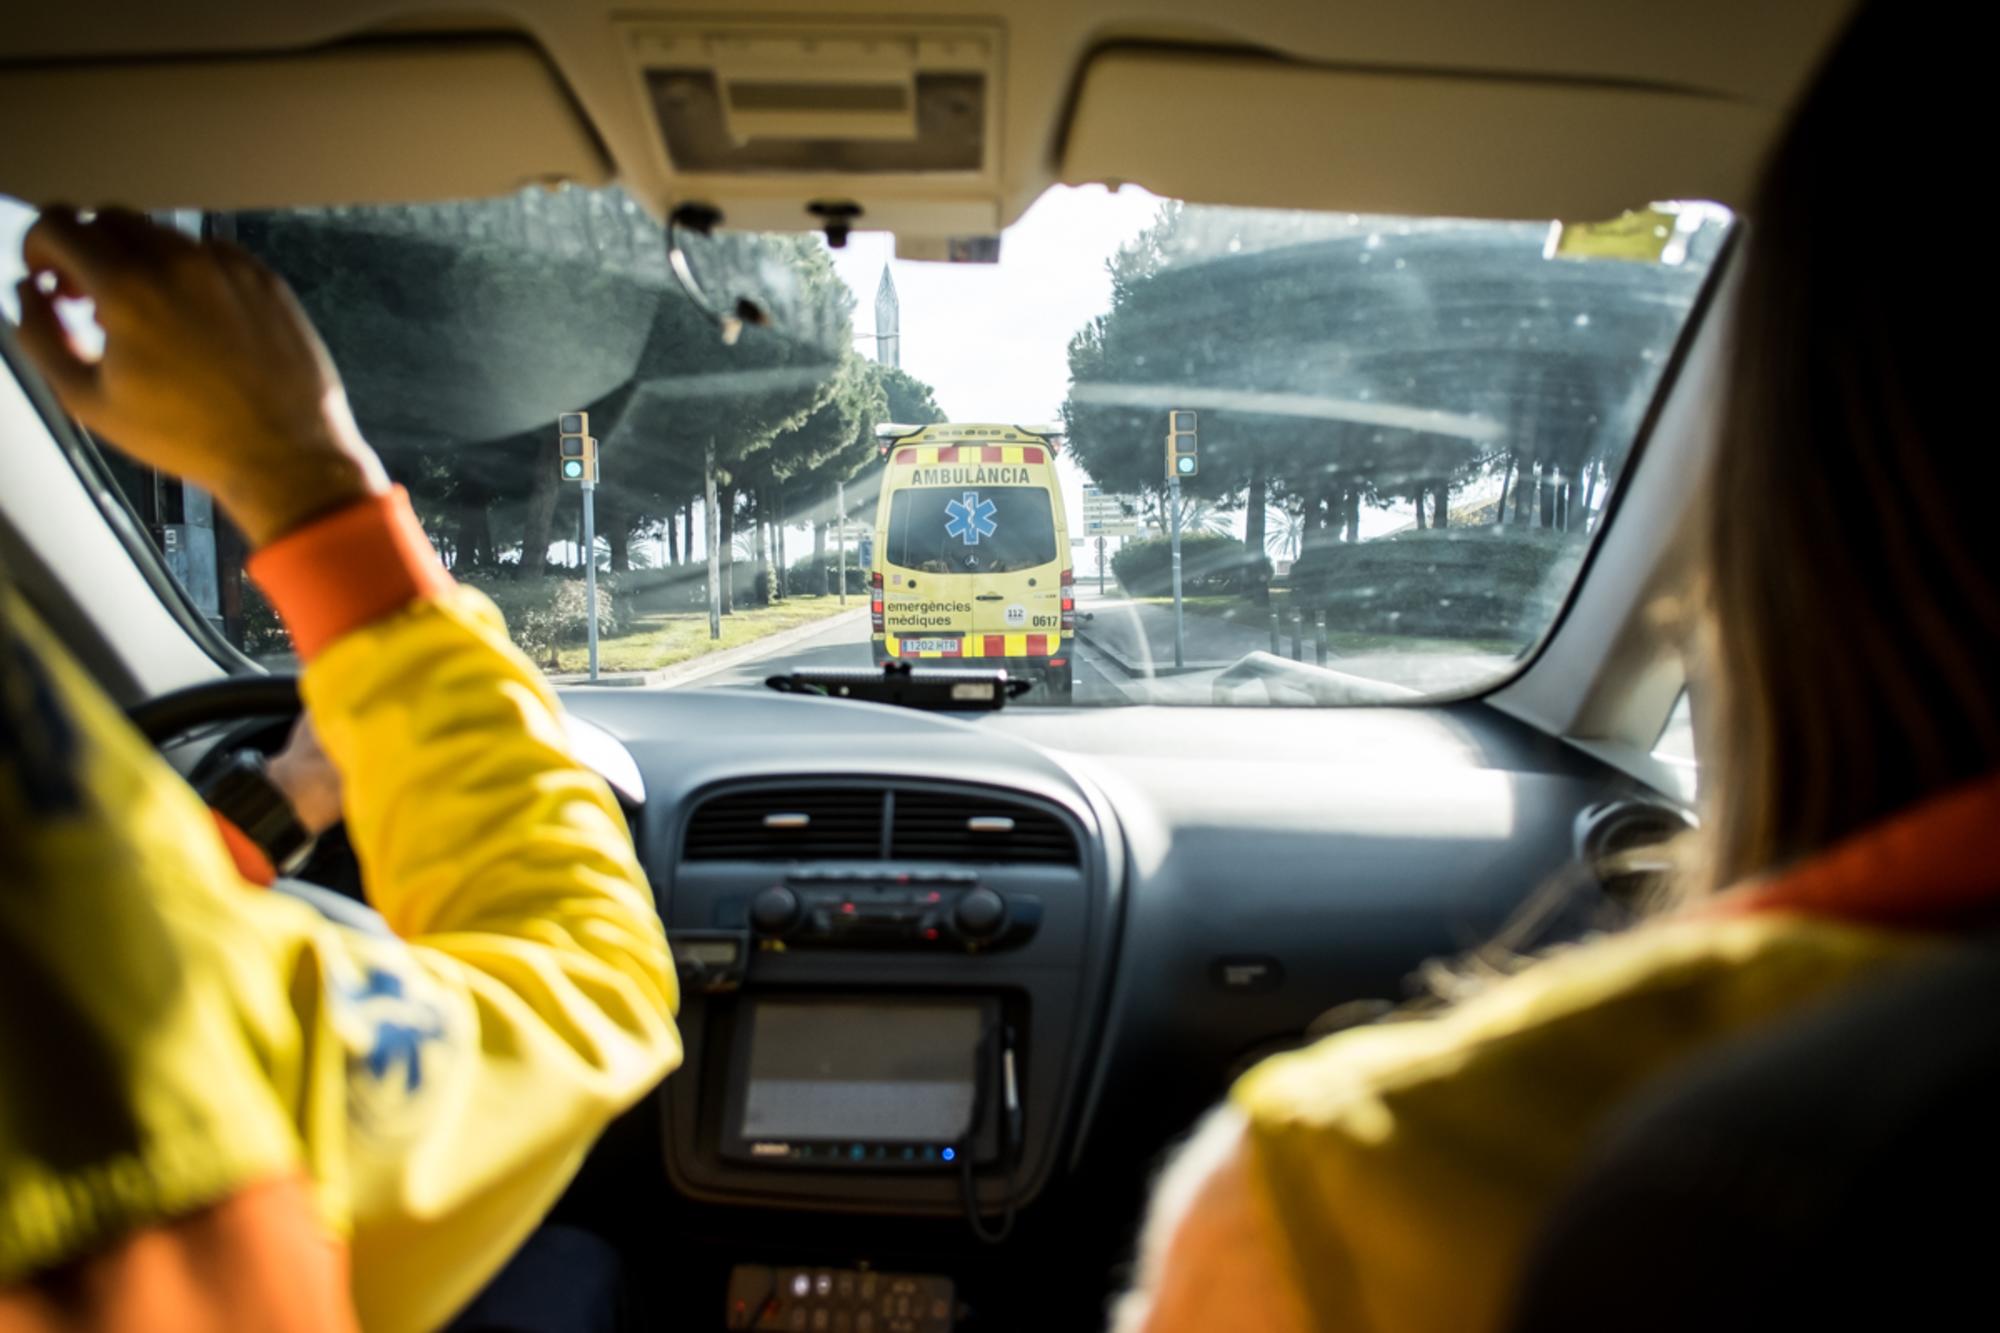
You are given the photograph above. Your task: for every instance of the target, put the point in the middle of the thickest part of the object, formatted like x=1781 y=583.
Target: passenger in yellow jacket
x=1392 y=1178
x=245 y=1090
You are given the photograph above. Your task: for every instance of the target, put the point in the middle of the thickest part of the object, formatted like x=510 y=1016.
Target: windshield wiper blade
x=936 y=689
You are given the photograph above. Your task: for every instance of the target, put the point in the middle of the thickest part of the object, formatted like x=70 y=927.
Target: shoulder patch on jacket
x=396 y=1029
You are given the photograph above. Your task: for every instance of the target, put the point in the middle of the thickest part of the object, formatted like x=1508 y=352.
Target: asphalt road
x=846 y=645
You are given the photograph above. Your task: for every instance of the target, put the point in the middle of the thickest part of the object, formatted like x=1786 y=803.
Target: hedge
x=809 y=577
x=541 y=614
x=1210 y=563
x=1466 y=583
x=546 y=613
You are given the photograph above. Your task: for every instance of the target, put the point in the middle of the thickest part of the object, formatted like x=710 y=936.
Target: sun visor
x=377 y=122
x=1252 y=130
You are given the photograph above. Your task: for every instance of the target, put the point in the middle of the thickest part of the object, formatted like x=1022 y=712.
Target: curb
x=680 y=673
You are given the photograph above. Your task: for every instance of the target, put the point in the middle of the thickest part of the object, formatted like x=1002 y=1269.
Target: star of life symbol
x=970 y=518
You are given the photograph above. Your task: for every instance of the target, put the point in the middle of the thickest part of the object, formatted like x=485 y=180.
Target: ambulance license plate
x=946 y=646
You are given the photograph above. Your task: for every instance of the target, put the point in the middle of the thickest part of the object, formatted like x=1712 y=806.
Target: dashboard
x=1114 y=911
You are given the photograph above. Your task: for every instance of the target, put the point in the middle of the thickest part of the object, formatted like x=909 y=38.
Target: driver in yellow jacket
x=222 y=1107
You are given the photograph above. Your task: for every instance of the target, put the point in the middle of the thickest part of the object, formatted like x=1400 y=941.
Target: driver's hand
x=307 y=778
x=210 y=370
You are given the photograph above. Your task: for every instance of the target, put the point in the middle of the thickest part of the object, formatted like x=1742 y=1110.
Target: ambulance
x=971 y=556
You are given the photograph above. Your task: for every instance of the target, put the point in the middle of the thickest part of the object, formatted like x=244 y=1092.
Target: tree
x=1205 y=517
x=694 y=392
x=834 y=442
x=908 y=401
x=1285 y=536
x=1338 y=362
x=464 y=329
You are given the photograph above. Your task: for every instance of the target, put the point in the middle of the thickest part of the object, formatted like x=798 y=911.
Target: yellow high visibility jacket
x=1407 y=1166
x=170 y=1035
x=1402 y=1170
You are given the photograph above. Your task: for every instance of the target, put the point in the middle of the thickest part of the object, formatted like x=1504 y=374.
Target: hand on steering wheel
x=257 y=705
x=307 y=778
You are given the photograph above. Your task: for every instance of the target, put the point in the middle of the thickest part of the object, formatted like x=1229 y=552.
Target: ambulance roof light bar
x=1052 y=434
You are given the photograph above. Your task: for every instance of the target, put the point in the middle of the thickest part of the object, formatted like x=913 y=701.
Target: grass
x=663 y=638
x=1346 y=643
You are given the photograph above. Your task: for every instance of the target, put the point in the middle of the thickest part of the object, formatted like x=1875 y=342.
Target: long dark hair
x=1853 y=614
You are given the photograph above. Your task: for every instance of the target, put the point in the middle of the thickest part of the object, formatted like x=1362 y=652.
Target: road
x=1131 y=631
x=846 y=645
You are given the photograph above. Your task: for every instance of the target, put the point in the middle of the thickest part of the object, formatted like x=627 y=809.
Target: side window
x=200 y=549
x=1676 y=742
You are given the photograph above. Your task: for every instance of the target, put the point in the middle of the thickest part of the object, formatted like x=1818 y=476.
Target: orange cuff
x=251 y=863
x=348 y=570
x=259 y=1258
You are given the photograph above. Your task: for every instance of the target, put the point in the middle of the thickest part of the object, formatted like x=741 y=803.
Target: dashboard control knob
x=979 y=914
x=773 y=911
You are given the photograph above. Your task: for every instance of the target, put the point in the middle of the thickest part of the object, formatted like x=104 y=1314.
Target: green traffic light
x=572 y=468
x=1186 y=463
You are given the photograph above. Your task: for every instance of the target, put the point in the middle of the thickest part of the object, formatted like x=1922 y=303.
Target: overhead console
x=831 y=124
x=884 y=980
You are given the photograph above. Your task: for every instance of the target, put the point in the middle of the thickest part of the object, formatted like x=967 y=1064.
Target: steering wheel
x=257 y=712
x=231 y=699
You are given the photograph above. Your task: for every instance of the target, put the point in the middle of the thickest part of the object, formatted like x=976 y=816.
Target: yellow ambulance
x=971 y=563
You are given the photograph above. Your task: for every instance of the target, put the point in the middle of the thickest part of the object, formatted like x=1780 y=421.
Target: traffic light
x=1183 y=457
x=576 y=451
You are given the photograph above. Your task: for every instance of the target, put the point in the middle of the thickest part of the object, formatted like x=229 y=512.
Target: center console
x=891 y=988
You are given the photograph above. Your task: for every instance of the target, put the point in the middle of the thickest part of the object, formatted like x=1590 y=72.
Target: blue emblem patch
x=401 y=1030
x=397 y=1040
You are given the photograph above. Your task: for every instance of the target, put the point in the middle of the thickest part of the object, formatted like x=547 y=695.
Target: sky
x=992 y=340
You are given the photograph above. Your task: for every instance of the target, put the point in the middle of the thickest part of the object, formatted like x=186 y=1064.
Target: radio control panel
x=948 y=912
x=778 y=957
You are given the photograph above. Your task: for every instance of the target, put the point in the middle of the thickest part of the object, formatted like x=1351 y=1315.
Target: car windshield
x=1155 y=453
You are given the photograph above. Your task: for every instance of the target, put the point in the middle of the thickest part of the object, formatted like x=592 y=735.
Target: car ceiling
x=1567 y=108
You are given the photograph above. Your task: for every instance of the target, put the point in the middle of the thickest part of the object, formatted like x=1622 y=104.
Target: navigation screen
x=856 y=1070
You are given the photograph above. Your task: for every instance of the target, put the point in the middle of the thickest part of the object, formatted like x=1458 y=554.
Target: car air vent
x=787 y=824
x=1626 y=842
x=946 y=826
